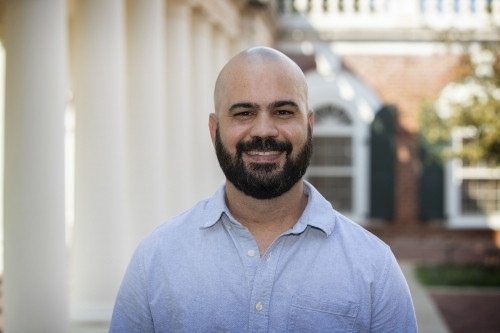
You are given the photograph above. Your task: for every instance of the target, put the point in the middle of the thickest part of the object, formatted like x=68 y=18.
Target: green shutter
x=382 y=166
x=431 y=182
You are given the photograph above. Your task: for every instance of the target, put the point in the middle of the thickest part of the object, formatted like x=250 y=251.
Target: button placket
x=258 y=306
x=262 y=288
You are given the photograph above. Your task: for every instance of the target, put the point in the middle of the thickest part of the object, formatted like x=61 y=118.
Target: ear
x=212 y=126
x=310 y=119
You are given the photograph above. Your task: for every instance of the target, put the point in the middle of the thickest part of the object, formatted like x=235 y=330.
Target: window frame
x=358 y=170
x=456 y=173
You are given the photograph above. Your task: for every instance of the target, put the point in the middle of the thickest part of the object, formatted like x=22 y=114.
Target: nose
x=264 y=126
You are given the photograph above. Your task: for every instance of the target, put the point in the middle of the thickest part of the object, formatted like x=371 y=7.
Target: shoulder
x=359 y=241
x=190 y=218
x=181 y=230
x=340 y=229
x=356 y=233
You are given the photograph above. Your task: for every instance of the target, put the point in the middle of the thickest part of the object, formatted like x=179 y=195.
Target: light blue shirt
x=202 y=272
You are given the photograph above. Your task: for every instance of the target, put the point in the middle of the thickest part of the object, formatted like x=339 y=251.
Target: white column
x=203 y=86
x=180 y=129
x=99 y=253
x=34 y=291
x=248 y=32
x=301 y=5
x=349 y=6
x=481 y=7
x=448 y=7
x=365 y=6
x=220 y=55
x=481 y=14
x=333 y=7
x=317 y=7
x=496 y=11
x=431 y=6
x=221 y=51
x=146 y=108
x=361 y=170
x=379 y=7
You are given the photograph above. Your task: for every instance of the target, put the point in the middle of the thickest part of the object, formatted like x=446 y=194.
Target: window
x=332 y=151
x=480 y=196
x=473 y=198
x=331 y=169
x=344 y=109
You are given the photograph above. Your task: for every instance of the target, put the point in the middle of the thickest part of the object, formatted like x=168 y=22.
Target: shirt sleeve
x=392 y=308
x=131 y=312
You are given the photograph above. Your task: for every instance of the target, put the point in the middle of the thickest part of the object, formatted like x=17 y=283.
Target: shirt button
x=251 y=253
x=258 y=306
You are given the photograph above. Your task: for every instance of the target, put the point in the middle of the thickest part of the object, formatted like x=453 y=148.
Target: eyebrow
x=273 y=105
x=243 y=105
x=278 y=104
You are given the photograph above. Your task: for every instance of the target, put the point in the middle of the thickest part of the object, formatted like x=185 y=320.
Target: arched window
x=343 y=108
x=331 y=169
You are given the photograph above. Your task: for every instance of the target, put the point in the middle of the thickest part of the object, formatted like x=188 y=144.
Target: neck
x=269 y=218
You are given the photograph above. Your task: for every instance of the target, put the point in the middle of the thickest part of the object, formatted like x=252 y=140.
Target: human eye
x=243 y=110
x=243 y=114
x=283 y=113
x=284 y=108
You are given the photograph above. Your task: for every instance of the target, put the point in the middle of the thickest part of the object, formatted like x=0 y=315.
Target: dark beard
x=263 y=180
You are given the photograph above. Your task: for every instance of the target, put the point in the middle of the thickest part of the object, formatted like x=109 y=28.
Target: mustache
x=259 y=143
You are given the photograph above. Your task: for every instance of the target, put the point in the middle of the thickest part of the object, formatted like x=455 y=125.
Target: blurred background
x=106 y=106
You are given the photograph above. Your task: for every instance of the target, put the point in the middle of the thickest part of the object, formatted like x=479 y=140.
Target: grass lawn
x=459 y=275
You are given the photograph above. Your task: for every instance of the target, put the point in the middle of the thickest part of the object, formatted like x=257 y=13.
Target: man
x=266 y=253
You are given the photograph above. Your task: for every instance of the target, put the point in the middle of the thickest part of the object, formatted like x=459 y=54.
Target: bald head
x=258 y=60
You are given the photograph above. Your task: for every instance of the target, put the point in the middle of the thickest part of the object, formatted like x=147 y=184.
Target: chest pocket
x=312 y=315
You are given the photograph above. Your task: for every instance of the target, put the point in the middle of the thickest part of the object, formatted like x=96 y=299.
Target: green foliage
x=474 y=106
x=433 y=127
x=459 y=275
x=434 y=135
x=484 y=117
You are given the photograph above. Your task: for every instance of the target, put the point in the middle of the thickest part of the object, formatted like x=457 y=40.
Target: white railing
x=362 y=14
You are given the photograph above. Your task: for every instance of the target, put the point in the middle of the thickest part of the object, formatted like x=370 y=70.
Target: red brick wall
x=405 y=81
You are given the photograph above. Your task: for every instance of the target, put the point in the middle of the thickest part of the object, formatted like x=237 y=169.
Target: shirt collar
x=318 y=213
x=215 y=207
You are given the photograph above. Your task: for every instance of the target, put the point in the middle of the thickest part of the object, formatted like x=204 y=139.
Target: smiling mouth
x=263 y=153
x=264 y=156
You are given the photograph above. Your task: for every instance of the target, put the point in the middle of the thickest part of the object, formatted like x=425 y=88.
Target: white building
x=121 y=90
x=106 y=136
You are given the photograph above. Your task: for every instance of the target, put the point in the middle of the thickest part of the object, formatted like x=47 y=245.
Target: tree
x=470 y=105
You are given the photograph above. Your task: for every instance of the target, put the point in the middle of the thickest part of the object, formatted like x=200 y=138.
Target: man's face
x=264 y=180
x=262 y=129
